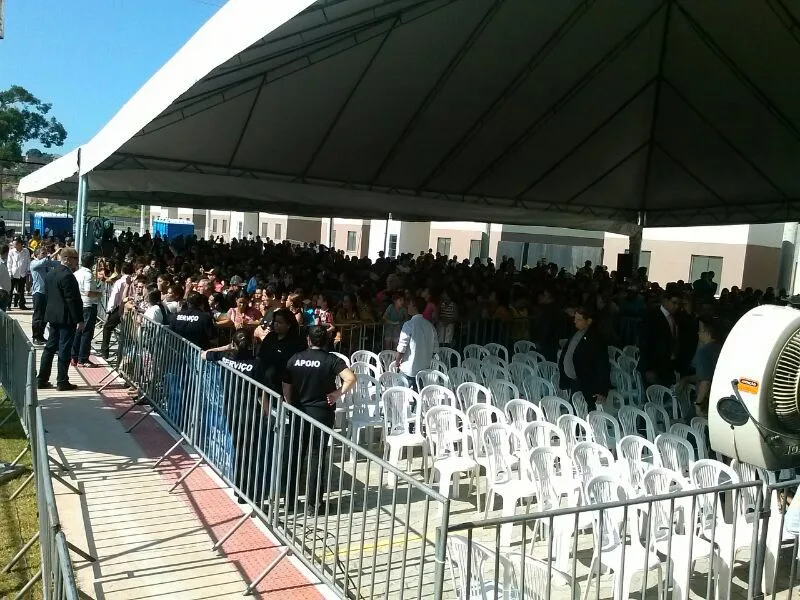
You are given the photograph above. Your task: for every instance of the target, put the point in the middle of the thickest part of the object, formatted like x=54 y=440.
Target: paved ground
x=149 y=543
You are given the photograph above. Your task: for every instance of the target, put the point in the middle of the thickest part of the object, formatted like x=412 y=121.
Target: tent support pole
x=80 y=212
x=330 y=233
x=787 y=258
x=141 y=220
x=24 y=211
x=485 y=243
x=386 y=236
x=635 y=243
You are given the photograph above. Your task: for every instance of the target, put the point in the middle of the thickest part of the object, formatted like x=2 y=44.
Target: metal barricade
x=696 y=539
x=18 y=378
x=369 y=541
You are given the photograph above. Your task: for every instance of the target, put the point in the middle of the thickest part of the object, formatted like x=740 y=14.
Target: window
x=392 y=246
x=224 y=226
x=474 y=249
x=703 y=264
x=352 y=239
x=644 y=260
x=278 y=231
x=265 y=230
x=443 y=246
x=214 y=225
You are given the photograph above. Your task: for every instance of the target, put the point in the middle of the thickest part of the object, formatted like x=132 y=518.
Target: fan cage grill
x=786 y=384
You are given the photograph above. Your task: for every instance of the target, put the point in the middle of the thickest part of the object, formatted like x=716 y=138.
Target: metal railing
x=367 y=540
x=697 y=540
x=18 y=378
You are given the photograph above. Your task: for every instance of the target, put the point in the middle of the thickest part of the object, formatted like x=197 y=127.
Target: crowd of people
x=209 y=289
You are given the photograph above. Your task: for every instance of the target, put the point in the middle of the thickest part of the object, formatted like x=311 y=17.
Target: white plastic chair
x=631 y=352
x=637 y=456
x=474 y=366
x=435 y=395
x=499 y=443
x=606 y=429
x=560 y=392
x=401 y=412
x=480 y=416
x=387 y=358
x=520 y=412
x=388 y=380
x=367 y=357
x=459 y=375
x=623 y=383
x=534 y=584
x=677 y=454
x=579 y=403
x=437 y=365
x=502 y=392
x=520 y=372
x=614 y=402
x=629 y=418
x=575 y=430
x=365 y=407
x=547 y=370
x=700 y=426
x=365 y=368
x=491 y=371
x=523 y=346
x=610 y=548
x=448 y=356
x=498 y=350
x=683 y=550
x=343 y=357
x=446 y=428
x=527 y=358
x=690 y=435
x=659 y=394
x=471 y=393
x=626 y=364
x=481 y=559
x=554 y=407
x=537 y=388
x=543 y=433
x=428 y=377
x=592 y=459
x=475 y=351
x=614 y=353
x=659 y=416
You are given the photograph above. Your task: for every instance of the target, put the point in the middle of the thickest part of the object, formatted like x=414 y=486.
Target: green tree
x=24 y=118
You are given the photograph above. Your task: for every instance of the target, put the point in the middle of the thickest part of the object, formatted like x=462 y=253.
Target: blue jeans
x=83 y=340
x=59 y=341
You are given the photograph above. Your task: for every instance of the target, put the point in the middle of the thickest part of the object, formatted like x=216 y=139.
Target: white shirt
x=172 y=307
x=115 y=298
x=673 y=327
x=418 y=342
x=86 y=284
x=19 y=263
x=154 y=313
x=5 y=278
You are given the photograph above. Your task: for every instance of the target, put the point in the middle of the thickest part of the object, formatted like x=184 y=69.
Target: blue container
x=171 y=228
x=53 y=224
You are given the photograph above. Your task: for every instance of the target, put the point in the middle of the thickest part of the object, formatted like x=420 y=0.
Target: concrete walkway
x=150 y=543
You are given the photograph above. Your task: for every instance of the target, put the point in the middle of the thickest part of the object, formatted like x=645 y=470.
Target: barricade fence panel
x=18 y=378
x=363 y=537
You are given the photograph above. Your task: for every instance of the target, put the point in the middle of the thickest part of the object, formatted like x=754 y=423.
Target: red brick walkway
x=249 y=549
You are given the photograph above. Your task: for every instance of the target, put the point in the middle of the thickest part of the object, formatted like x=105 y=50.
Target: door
x=702 y=264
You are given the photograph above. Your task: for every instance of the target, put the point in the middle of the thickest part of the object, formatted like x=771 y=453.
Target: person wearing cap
x=64 y=314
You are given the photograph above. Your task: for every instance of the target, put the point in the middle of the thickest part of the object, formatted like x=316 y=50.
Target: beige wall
x=761 y=266
x=671 y=261
x=459 y=241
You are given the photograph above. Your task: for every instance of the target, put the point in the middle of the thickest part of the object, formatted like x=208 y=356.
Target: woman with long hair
x=281 y=342
x=583 y=365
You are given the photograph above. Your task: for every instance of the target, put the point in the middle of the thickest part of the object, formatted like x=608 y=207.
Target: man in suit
x=64 y=314
x=659 y=342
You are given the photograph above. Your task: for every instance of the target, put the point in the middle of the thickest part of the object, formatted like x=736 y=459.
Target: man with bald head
x=64 y=314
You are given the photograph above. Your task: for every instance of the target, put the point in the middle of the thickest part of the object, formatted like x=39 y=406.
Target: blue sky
x=87 y=57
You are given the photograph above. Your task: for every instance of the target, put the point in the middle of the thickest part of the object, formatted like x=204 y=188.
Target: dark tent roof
x=550 y=112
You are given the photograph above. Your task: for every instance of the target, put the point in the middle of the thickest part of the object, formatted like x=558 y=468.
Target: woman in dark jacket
x=583 y=365
x=280 y=344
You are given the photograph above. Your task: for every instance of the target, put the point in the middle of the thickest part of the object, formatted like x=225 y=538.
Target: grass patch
x=18 y=518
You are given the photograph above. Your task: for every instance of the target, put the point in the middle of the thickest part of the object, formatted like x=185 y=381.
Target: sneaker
x=39 y=342
x=87 y=365
x=66 y=387
x=44 y=385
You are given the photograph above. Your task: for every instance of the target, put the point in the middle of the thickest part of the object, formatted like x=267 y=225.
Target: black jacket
x=656 y=347
x=591 y=365
x=64 y=304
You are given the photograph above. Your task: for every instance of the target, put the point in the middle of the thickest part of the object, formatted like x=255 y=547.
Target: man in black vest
x=64 y=314
x=309 y=385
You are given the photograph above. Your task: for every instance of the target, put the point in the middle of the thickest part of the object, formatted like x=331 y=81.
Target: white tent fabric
x=573 y=113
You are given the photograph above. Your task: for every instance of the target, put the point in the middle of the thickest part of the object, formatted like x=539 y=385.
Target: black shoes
x=66 y=387
x=44 y=385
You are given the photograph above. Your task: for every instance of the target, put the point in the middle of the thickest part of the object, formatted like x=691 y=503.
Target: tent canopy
x=574 y=113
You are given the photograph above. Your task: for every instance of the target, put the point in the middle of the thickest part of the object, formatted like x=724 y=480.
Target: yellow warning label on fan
x=748 y=386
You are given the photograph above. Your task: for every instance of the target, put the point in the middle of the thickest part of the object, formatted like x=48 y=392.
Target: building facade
x=739 y=255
